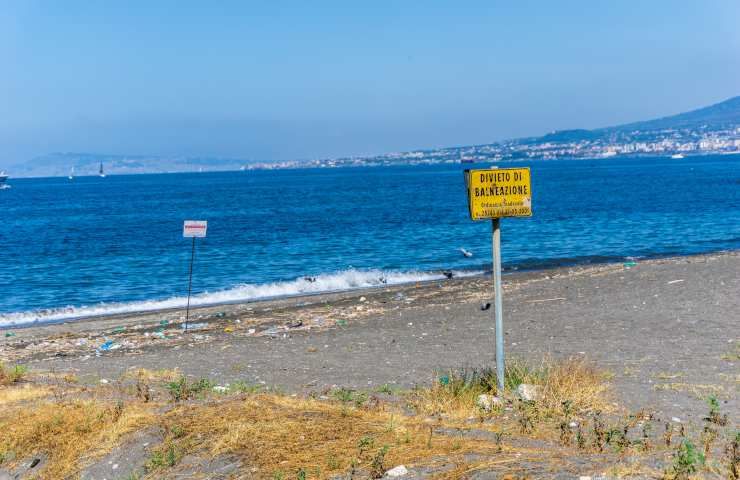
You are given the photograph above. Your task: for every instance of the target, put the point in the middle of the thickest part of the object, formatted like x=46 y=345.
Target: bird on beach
x=466 y=253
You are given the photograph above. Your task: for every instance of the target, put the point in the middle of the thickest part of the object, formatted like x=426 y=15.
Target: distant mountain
x=719 y=115
x=560 y=136
x=714 y=117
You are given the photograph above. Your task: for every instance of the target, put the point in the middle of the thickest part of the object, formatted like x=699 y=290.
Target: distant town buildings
x=688 y=141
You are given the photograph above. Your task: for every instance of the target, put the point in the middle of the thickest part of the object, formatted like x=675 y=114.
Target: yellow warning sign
x=499 y=192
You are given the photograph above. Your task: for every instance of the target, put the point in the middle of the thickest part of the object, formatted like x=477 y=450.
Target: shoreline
x=258 y=313
x=266 y=317
x=476 y=273
x=665 y=328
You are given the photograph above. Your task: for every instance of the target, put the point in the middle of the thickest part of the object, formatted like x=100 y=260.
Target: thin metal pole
x=190 y=285
x=499 y=309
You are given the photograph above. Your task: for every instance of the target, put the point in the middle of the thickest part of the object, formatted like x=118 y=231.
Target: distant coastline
x=308 y=165
x=712 y=130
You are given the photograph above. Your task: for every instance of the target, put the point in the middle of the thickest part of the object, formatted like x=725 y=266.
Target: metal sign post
x=494 y=194
x=498 y=303
x=190 y=285
x=194 y=229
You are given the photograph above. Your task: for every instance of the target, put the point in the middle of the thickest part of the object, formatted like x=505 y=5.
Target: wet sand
x=668 y=329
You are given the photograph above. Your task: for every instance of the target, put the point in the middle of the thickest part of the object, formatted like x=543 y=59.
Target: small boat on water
x=101 y=173
x=677 y=156
x=71 y=175
x=3 y=179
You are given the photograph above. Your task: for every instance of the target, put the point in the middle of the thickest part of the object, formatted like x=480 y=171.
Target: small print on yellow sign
x=499 y=192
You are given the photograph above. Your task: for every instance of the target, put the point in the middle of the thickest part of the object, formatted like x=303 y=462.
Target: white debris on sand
x=398 y=471
x=528 y=392
x=487 y=402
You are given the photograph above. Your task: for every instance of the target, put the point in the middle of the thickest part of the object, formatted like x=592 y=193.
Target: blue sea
x=90 y=246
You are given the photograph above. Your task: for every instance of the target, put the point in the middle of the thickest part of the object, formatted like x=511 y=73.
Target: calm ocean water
x=103 y=245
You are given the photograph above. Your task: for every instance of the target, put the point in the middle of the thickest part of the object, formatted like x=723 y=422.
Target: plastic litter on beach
x=485 y=306
x=228 y=330
x=108 y=345
x=164 y=323
x=629 y=264
x=295 y=324
x=220 y=314
x=9 y=334
x=194 y=326
x=271 y=332
x=341 y=323
x=540 y=300
x=119 y=330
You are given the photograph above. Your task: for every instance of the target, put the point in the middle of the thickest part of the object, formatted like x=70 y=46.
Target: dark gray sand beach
x=667 y=329
x=329 y=383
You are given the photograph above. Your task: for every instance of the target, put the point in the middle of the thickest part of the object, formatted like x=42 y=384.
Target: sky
x=300 y=80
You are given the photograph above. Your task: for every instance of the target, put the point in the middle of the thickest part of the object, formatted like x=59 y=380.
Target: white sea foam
x=332 y=282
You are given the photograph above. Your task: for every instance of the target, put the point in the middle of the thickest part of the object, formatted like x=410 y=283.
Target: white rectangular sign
x=194 y=228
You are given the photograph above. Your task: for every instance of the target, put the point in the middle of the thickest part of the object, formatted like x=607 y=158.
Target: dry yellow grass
x=734 y=354
x=144 y=374
x=634 y=470
x=11 y=375
x=585 y=387
x=67 y=431
x=10 y=395
x=730 y=378
x=576 y=381
x=285 y=434
x=277 y=434
x=700 y=391
x=440 y=399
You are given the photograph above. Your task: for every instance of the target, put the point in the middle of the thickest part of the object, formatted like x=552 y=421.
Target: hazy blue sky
x=280 y=80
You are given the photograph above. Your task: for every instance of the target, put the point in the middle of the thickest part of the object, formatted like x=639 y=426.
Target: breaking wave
x=331 y=282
